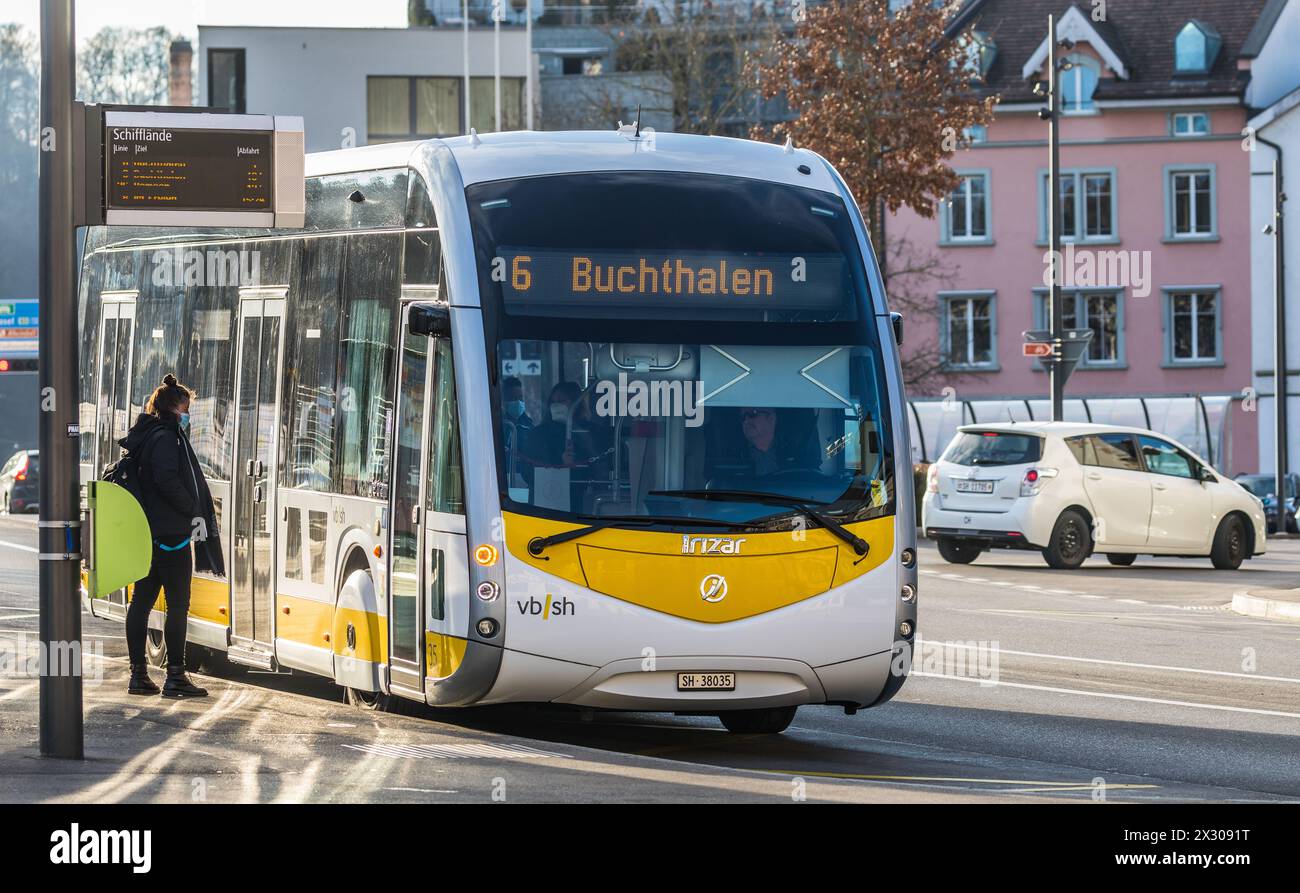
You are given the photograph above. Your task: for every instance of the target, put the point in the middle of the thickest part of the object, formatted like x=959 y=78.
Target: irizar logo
x=548 y=609
x=710 y=545
x=77 y=847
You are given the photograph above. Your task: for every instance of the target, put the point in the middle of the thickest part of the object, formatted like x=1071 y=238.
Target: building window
x=1100 y=311
x=965 y=213
x=226 y=80
x=970 y=330
x=1190 y=124
x=975 y=134
x=1087 y=206
x=1078 y=83
x=405 y=108
x=1190 y=211
x=1195 y=48
x=482 y=102
x=1192 y=324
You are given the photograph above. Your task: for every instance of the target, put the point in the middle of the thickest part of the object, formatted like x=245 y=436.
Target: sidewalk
x=1268 y=604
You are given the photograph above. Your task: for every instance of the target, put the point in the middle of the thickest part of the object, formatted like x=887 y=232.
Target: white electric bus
x=597 y=419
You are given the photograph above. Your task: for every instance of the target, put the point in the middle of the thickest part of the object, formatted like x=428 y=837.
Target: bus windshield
x=670 y=336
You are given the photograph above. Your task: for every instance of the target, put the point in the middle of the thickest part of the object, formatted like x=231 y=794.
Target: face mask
x=515 y=408
x=559 y=412
x=185 y=421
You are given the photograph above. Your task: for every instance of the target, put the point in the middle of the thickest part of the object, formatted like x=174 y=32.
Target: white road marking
x=19 y=547
x=1110 y=695
x=423 y=790
x=472 y=750
x=1126 y=663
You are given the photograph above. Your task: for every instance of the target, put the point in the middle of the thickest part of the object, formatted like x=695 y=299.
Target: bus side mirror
x=426 y=319
x=896 y=320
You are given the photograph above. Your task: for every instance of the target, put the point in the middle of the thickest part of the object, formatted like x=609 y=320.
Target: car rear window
x=994 y=448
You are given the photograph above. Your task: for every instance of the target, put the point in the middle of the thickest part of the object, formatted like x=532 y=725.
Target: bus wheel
x=368 y=700
x=216 y=663
x=155 y=651
x=769 y=721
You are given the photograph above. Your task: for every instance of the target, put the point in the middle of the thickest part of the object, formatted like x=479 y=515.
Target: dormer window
x=1078 y=83
x=1195 y=48
x=980 y=53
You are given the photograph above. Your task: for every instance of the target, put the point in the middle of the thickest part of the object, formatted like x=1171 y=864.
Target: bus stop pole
x=61 y=731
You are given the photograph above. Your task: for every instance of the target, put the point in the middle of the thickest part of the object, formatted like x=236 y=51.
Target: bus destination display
x=538 y=278
x=171 y=168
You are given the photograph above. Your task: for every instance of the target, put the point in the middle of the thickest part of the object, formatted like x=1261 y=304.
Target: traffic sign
x=1038 y=349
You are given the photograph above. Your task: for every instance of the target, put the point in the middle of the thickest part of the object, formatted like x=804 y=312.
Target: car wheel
x=1119 y=559
x=958 y=551
x=758 y=722
x=1071 y=541
x=1229 y=549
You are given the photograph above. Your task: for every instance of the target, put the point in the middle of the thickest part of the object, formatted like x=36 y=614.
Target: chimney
x=180 y=76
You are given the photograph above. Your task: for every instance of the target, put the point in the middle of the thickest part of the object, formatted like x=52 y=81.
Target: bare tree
x=702 y=51
x=914 y=275
x=124 y=65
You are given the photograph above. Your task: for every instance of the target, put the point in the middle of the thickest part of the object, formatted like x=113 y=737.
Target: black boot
x=140 y=683
x=178 y=685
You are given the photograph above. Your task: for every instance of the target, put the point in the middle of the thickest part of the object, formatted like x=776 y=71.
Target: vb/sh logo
x=552 y=607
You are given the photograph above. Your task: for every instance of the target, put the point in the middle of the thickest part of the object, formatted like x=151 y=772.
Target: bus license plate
x=706 y=681
x=974 y=486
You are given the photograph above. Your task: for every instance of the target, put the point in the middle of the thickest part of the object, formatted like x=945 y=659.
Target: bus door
x=113 y=416
x=429 y=584
x=252 y=515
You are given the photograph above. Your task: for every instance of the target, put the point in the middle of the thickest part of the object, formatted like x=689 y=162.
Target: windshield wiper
x=539 y=544
x=859 y=545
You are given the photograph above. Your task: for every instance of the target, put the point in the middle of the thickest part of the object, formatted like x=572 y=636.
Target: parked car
x=20 y=482
x=1265 y=487
x=1069 y=489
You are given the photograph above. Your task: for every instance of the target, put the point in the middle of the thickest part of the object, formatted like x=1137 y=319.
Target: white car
x=1070 y=489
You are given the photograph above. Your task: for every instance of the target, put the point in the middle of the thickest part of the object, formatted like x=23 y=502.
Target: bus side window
x=446 y=487
x=420 y=259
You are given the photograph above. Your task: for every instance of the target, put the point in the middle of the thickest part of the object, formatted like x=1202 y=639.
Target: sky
x=184 y=16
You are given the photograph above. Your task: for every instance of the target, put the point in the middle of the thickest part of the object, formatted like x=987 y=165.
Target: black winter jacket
x=175 y=495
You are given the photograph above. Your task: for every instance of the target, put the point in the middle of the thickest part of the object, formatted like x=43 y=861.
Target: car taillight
x=1035 y=479
x=932 y=479
x=20 y=473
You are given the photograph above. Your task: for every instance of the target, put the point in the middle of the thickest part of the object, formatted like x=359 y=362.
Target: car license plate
x=974 y=486
x=706 y=681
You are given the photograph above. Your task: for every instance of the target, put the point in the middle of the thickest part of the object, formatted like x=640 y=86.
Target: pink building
x=1155 y=212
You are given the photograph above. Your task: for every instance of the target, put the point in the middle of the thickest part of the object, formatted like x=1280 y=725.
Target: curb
x=1265 y=608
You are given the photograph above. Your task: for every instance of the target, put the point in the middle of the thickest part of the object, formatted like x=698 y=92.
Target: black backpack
x=125 y=472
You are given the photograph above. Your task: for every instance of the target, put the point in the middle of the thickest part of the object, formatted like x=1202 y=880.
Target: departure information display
x=533 y=280
x=165 y=168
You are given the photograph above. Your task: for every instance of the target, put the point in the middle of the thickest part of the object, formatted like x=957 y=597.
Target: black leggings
x=170 y=571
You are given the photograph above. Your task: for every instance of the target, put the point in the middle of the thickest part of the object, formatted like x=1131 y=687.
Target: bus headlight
x=487 y=627
x=487 y=590
x=908 y=593
x=908 y=557
x=905 y=629
x=486 y=555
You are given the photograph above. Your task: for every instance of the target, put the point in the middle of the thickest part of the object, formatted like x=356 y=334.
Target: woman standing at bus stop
x=177 y=503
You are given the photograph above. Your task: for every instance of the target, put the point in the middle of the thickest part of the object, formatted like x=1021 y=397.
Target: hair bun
x=169 y=380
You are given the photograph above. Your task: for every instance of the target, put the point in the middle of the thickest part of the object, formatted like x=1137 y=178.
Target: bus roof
x=499 y=156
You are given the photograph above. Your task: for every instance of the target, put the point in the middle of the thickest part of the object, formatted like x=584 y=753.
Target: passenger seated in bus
x=773 y=444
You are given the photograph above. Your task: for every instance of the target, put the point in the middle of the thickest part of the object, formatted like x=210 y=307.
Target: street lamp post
x=61 y=728
x=1054 y=309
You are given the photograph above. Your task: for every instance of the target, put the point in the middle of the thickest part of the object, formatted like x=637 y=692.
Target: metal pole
x=1279 y=336
x=497 y=12
x=1054 y=309
x=528 y=57
x=58 y=534
x=465 y=53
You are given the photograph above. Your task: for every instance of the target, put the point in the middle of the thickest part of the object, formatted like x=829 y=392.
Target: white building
x=359 y=86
